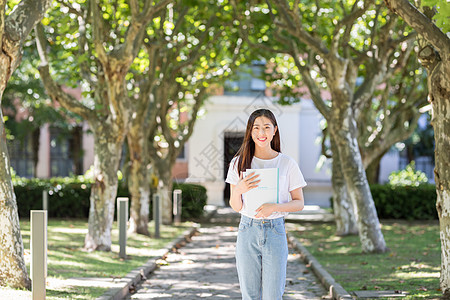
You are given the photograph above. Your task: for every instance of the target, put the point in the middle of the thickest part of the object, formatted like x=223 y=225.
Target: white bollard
x=177 y=206
x=38 y=245
x=122 y=219
x=157 y=214
x=44 y=200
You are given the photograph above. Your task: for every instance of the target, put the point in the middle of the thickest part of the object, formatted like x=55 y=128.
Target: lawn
x=411 y=265
x=67 y=260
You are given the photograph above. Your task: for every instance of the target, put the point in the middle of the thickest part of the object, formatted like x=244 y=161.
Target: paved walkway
x=205 y=268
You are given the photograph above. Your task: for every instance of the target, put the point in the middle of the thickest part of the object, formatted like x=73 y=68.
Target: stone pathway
x=205 y=268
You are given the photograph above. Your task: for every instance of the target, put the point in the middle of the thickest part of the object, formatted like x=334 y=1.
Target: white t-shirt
x=291 y=178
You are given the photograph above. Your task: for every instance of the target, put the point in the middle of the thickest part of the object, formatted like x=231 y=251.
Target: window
x=248 y=82
x=65 y=150
x=21 y=156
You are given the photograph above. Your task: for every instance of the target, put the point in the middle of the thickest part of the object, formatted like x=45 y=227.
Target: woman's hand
x=246 y=184
x=265 y=210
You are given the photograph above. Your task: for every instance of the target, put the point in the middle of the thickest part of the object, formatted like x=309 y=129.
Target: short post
x=177 y=206
x=122 y=219
x=38 y=245
x=157 y=214
x=44 y=200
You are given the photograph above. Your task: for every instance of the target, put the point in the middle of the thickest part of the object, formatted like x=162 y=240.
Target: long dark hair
x=247 y=149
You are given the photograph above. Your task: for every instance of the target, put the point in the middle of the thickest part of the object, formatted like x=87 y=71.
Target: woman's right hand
x=246 y=184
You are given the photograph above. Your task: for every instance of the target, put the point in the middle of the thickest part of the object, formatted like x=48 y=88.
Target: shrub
x=405 y=202
x=408 y=177
x=193 y=200
x=69 y=197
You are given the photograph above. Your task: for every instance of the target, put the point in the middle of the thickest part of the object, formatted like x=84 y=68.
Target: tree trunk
x=14 y=29
x=373 y=170
x=343 y=131
x=107 y=148
x=342 y=206
x=165 y=190
x=439 y=87
x=138 y=181
x=13 y=271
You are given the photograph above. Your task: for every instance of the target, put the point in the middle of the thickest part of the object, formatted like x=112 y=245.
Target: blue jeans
x=261 y=258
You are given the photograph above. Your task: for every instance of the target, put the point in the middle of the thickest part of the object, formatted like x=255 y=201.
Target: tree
x=434 y=55
x=333 y=46
x=389 y=118
x=191 y=48
x=27 y=108
x=99 y=43
x=15 y=26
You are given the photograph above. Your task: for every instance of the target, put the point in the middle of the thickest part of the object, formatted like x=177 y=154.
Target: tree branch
x=134 y=8
x=17 y=27
x=97 y=28
x=295 y=28
x=83 y=48
x=149 y=11
x=54 y=90
x=312 y=86
x=2 y=21
x=72 y=9
x=422 y=24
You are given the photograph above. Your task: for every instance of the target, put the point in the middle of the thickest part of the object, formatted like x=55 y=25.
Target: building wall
x=230 y=114
x=88 y=148
x=43 y=165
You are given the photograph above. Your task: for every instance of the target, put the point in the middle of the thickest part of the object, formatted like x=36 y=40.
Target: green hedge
x=405 y=202
x=193 y=200
x=69 y=197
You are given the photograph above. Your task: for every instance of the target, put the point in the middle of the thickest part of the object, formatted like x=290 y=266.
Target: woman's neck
x=265 y=153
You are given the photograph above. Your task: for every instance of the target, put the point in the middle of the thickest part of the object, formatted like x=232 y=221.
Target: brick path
x=205 y=268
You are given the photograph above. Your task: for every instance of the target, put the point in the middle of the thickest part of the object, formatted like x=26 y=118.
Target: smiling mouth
x=262 y=139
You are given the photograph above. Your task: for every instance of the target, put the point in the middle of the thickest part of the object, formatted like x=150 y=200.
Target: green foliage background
x=69 y=197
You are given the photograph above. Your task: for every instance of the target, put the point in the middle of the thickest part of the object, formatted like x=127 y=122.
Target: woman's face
x=263 y=131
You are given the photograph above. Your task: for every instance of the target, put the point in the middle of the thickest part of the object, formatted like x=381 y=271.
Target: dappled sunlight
x=66 y=263
x=82 y=231
x=417 y=275
x=412 y=264
x=69 y=264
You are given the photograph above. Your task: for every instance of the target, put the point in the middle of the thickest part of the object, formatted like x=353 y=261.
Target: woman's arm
x=243 y=185
x=297 y=204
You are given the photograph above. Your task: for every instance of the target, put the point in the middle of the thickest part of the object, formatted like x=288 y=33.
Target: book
x=266 y=192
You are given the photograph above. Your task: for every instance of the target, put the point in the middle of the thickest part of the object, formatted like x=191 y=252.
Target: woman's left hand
x=265 y=210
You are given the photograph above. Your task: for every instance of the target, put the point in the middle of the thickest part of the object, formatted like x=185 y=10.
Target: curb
x=335 y=289
x=130 y=281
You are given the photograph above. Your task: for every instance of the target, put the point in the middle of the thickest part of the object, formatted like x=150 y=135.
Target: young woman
x=261 y=247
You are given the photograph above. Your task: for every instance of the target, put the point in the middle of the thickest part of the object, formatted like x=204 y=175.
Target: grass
x=411 y=265
x=66 y=259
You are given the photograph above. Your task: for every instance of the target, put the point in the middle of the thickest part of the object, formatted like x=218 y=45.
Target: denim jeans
x=261 y=258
